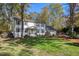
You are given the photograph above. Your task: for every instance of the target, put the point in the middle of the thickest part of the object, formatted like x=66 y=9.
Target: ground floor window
x=37 y=31
x=26 y=30
x=17 y=29
x=42 y=31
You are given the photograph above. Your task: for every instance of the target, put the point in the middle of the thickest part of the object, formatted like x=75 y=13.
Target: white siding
x=40 y=29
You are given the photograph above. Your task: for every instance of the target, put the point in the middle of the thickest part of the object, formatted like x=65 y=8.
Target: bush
x=72 y=35
x=10 y=35
x=1 y=32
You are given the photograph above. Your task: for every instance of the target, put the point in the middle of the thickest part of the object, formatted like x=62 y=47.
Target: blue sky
x=37 y=7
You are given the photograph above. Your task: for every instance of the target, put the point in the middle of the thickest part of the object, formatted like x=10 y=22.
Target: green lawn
x=39 y=46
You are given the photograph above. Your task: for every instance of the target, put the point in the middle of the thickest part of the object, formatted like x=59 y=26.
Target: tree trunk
x=72 y=7
x=72 y=29
x=22 y=12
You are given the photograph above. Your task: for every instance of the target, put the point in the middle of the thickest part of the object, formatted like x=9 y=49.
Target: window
x=37 y=30
x=26 y=30
x=17 y=22
x=42 y=25
x=42 y=31
x=25 y=23
x=37 y=24
x=17 y=29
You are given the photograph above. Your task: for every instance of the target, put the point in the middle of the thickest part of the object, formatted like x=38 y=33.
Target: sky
x=37 y=7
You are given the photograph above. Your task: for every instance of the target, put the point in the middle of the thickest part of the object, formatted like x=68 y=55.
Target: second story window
x=37 y=24
x=18 y=22
x=42 y=25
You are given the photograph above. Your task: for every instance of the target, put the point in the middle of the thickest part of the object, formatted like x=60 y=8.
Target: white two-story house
x=30 y=28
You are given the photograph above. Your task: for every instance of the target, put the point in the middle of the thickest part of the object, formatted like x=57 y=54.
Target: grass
x=40 y=46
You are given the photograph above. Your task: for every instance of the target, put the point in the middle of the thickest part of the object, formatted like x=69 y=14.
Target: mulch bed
x=72 y=40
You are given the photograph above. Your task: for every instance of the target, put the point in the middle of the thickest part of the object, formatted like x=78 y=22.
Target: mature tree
x=23 y=8
x=7 y=12
x=44 y=15
x=58 y=23
x=56 y=11
x=72 y=20
x=34 y=16
x=3 y=22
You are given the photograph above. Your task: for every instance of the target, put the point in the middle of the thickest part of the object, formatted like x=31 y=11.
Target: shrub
x=10 y=34
x=72 y=35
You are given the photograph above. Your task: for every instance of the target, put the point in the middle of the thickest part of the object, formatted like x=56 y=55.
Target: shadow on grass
x=25 y=53
x=33 y=41
x=5 y=54
x=73 y=44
